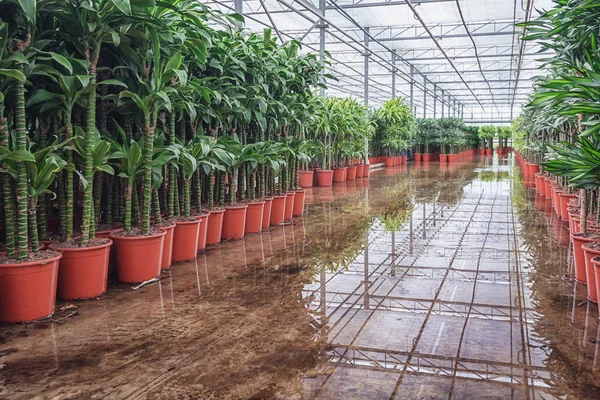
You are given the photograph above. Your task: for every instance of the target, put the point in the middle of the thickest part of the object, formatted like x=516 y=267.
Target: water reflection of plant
x=493 y=176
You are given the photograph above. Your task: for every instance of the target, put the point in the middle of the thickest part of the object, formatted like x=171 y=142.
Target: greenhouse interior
x=299 y=199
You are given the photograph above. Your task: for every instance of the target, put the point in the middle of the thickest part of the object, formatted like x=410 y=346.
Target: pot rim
x=33 y=263
x=196 y=221
x=75 y=249
x=236 y=207
x=257 y=203
x=280 y=197
x=156 y=235
x=216 y=211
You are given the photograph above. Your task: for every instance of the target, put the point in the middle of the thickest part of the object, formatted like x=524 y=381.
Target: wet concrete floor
x=424 y=282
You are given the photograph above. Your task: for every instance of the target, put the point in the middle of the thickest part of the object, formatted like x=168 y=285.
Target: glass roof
x=464 y=54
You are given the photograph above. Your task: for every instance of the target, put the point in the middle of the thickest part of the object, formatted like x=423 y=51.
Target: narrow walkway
x=450 y=305
x=463 y=292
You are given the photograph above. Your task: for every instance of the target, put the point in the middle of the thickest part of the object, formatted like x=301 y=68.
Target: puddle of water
x=464 y=296
x=426 y=281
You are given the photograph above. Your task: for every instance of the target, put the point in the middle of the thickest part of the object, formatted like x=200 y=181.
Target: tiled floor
x=442 y=309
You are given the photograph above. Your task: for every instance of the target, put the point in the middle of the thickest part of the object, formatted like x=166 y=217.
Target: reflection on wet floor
x=465 y=299
x=463 y=291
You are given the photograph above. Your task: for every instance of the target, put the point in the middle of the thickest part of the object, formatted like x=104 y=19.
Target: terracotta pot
x=481 y=152
x=596 y=267
x=389 y=162
x=234 y=222
x=305 y=178
x=367 y=170
x=215 y=227
x=266 y=219
x=299 y=203
x=564 y=199
x=403 y=159
x=254 y=217
x=289 y=206
x=539 y=185
x=83 y=271
x=352 y=173
x=278 y=210
x=360 y=169
x=185 y=240
x=325 y=177
x=452 y=158
x=339 y=175
x=533 y=169
x=167 y=255
x=105 y=234
x=588 y=254
x=203 y=231
x=138 y=258
x=28 y=290
x=579 y=257
x=443 y=158
x=427 y=157
x=418 y=157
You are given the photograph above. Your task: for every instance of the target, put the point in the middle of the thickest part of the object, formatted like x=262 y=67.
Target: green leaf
x=29 y=8
x=13 y=73
x=62 y=61
x=123 y=5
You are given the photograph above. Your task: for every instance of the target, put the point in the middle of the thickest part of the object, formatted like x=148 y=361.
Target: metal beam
x=502 y=55
x=393 y=75
x=449 y=36
x=418 y=16
x=388 y=3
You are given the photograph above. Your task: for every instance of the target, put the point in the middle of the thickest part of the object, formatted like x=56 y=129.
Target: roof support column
x=321 y=42
x=366 y=84
x=393 y=74
x=424 y=99
x=434 y=100
x=412 y=91
x=443 y=104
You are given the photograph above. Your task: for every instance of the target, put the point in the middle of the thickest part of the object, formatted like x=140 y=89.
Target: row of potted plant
x=557 y=135
x=444 y=140
x=138 y=133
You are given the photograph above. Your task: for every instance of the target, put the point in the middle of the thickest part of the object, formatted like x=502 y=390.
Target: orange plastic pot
x=426 y=157
x=305 y=178
x=167 y=255
x=452 y=158
x=533 y=169
x=339 y=175
x=289 y=206
x=418 y=157
x=299 y=203
x=138 y=258
x=28 y=290
x=215 y=227
x=278 y=209
x=564 y=199
x=83 y=271
x=266 y=219
x=443 y=158
x=202 y=232
x=360 y=169
x=588 y=254
x=185 y=240
x=579 y=257
x=234 y=222
x=367 y=171
x=105 y=234
x=324 y=177
x=596 y=266
x=254 y=217
x=540 y=186
x=352 y=173
x=389 y=162
x=489 y=152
